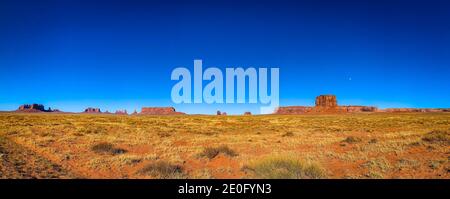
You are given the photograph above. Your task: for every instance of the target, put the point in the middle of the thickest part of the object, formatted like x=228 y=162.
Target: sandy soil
x=381 y=145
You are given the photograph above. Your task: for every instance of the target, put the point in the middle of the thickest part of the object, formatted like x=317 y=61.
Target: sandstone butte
x=221 y=113
x=121 y=112
x=92 y=110
x=34 y=108
x=323 y=104
x=328 y=104
x=160 y=111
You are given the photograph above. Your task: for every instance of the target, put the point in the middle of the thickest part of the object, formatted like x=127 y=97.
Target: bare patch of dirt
x=17 y=162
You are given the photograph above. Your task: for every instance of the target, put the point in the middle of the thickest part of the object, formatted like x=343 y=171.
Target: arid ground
x=375 y=145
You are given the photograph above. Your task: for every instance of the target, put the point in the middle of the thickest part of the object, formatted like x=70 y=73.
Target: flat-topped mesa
x=92 y=110
x=33 y=108
x=356 y=109
x=160 y=111
x=409 y=110
x=221 y=113
x=286 y=110
x=324 y=104
x=326 y=101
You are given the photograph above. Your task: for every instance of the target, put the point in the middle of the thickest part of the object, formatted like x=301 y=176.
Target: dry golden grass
x=378 y=145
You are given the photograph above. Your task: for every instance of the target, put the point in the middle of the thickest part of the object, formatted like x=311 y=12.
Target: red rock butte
x=160 y=111
x=326 y=101
x=34 y=108
x=328 y=104
x=92 y=110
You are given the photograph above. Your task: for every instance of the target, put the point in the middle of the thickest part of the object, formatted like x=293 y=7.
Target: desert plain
x=353 y=145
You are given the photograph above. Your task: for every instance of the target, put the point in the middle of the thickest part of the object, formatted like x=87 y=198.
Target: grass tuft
x=288 y=134
x=352 y=139
x=437 y=137
x=163 y=170
x=285 y=168
x=107 y=148
x=212 y=152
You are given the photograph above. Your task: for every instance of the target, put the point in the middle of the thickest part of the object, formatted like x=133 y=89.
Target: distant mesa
x=325 y=104
x=34 y=108
x=425 y=110
x=92 y=110
x=121 y=112
x=221 y=113
x=328 y=104
x=160 y=111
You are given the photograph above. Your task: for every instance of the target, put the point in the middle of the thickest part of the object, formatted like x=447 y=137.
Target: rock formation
x=34 y=108
x=248 y=113
x=355 y=109
x=121 y=112
x=294 y=110
x=326 y=101
x=92 y=110
x=159 y=111
x=328 y=104
x=325 y=104
x=406 y=110
x=221 y=113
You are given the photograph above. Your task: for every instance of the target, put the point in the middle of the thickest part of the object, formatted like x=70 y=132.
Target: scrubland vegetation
x=377 y=145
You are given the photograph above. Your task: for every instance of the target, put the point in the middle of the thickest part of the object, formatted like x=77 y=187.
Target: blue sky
x=120 y=54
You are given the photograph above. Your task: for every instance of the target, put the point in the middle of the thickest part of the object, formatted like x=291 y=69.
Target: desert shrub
x=285 y=168
x=163 y=134
x=77 y=134
x=373 y=141
x=352 y=139
x=12 y=132
x=413 y=144
x=212 y=152
x=164 y=170
x=375 y=175
x=377 y=164
x=124 y=160
x=437 y=137
x=93 y=129
x=288 y=134
x=107 y=148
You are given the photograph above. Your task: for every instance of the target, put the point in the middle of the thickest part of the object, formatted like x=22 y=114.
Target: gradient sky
x=120 y=54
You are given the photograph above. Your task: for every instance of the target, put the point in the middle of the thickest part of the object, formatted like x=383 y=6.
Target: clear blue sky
x=120 y=54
